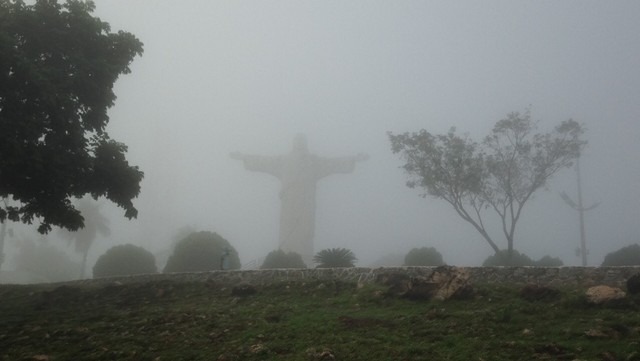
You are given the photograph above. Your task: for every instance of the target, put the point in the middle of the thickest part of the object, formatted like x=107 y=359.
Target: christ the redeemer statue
x=298 y=172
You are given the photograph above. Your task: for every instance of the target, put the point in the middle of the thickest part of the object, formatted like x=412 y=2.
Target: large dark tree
x=498 y=175
x=58 y=65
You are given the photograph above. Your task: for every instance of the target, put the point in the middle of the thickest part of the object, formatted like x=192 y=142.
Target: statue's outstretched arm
x=257 y=163
x=329 y=166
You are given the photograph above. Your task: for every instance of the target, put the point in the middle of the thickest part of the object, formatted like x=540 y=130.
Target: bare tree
x=94 y=223
x=582 y=250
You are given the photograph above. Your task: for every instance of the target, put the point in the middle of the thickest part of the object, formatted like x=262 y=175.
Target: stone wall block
x=553 y=276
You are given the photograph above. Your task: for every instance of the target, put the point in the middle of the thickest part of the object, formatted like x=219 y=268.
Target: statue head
x=300 y=144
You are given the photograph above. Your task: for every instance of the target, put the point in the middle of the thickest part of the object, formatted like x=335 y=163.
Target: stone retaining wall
x=555 y=276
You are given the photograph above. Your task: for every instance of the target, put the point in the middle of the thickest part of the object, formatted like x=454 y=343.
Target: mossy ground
x=165 y=320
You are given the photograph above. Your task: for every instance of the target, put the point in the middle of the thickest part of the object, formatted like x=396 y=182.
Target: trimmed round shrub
x=502 y=259
x=424 y=256
x=625 y=256
x=548 y=261
x=282 y=259
x=202 y=251
x=334 y=258
x=123 y=260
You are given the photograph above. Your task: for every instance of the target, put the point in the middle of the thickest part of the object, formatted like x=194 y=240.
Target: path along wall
x=554 y=276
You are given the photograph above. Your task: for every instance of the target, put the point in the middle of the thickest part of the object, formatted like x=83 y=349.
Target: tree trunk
x=486 y=237
x=583 y=239
x=3 y=234
x=84 y=264
x=509 y=250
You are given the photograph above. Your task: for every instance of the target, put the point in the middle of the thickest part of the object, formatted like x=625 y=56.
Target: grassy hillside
x=168 y=320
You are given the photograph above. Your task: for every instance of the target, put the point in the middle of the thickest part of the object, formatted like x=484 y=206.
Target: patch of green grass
x=167 y=320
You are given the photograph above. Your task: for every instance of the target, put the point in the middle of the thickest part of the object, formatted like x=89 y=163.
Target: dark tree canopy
x=58 y=65
x=498 y=175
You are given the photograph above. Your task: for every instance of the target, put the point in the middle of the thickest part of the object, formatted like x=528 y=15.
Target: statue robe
x=298 y=174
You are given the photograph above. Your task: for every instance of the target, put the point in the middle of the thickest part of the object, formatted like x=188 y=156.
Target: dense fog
x=219 y=77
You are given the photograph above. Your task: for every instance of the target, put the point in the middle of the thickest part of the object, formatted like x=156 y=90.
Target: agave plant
x=334 y=257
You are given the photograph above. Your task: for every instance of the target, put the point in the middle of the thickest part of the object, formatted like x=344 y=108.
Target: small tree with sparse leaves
x=499 y=174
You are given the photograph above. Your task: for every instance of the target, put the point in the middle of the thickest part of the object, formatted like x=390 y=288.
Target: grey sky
x=223 y=76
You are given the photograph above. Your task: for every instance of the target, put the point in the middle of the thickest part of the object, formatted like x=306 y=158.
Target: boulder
x=443 y=283
x=321 y=354
x=398 y=283
x=599 y=295
x=633 y=284
x=452 y=282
